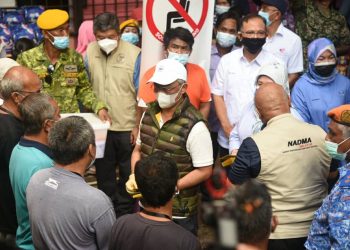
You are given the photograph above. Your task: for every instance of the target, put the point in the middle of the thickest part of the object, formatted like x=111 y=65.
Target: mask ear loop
x=343 y=142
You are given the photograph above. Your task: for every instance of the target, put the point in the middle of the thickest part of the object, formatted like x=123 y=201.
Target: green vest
x=171 y=139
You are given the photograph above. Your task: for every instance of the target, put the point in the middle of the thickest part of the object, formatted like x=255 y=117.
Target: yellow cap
x=129 y=23
x=51 y=19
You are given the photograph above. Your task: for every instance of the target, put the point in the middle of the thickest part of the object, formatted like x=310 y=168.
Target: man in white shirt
x=282 y=42
x=233 y=84
x=171 y=124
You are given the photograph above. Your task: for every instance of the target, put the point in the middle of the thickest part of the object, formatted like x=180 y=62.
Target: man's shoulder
x=235 y=55
x=40 y=175
x=344 y=180
x=32 y=54
x=194 y=68
x=289 y=35
x=266 y=57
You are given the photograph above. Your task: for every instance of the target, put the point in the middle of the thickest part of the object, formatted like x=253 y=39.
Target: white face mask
x=108 y=45
x=167 y=101
x=220 y=9
x=225 y=40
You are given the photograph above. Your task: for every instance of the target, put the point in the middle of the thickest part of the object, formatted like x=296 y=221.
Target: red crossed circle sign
x=196 y=27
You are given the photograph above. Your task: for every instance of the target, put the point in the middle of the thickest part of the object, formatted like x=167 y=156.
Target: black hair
x=227 y=15
x=180 y=33
x=156 y=177
x=70 y=138
x=250 y=17
x=105 y=21
x=254 y=212
x=21 y=45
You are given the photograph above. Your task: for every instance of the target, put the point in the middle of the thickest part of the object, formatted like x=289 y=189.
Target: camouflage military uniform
x=330 y=228
x=312 y=24
x=70 y=81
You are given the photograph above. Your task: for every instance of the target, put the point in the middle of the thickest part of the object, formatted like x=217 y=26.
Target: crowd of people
x=276 y=99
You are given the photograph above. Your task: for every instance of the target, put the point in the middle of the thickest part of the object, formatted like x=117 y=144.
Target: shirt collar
x=280 y=30
x=64 y=56
x=214 y=49
x=260 y=59
x=279 y=117
x=43 y=148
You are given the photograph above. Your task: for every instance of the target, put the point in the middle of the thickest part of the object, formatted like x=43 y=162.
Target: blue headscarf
x=315 y=49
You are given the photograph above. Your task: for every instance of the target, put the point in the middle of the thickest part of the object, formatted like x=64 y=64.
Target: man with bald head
x=17 y=83
x=290 y=158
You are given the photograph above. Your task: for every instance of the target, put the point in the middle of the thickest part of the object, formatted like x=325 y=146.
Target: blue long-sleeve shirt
x=330 y=228
x=313 y=101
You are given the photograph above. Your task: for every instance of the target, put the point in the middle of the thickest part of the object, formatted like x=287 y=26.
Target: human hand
x=104 y=116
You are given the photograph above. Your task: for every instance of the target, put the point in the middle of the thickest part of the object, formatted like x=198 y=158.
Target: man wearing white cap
x=172 y=125
x=5 y=65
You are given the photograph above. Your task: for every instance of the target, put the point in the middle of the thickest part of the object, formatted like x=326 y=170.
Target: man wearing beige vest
x=113 y=67
x=290 y=158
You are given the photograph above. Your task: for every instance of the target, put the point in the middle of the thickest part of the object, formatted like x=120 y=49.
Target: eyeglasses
x=48 y=78
x=32 y=92
x=165 y=89
x=251 y=33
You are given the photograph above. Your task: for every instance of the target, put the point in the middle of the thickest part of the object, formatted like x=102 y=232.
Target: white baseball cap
x=5 y=65
x=168 y=71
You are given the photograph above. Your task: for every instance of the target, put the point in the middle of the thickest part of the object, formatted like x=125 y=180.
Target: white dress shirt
x=286 y=45
x=235 y=80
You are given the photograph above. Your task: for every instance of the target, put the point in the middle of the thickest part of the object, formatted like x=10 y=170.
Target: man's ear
x=239 y=35
x=289 y=102
x=48 y=123
x=92 y=151
x=184 y=88
x=274 y=223
x=16 y=97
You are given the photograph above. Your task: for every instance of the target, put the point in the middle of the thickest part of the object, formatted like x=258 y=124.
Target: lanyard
x=159 y=215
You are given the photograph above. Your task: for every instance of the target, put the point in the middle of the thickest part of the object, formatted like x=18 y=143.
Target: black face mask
x=325 y=70
x=253 y=45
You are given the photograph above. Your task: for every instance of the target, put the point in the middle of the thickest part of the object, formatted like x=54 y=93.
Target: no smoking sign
x=164 y=14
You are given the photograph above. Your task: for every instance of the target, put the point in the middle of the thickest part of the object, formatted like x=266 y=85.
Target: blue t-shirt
x=26 y=159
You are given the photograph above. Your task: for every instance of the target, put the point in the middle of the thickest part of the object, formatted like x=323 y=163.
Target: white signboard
x=160 y=15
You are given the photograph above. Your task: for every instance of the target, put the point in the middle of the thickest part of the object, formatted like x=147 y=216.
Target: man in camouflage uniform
x=315 y=19
x=60 y=68
x=173 y=125
x=330 y=226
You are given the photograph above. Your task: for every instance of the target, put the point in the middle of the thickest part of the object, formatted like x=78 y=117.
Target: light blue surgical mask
x=60 y=42
x=225 y=40
x=130 y=37
x=181 y=58
x=332 y=149
x=266 y=16
x=220 y=9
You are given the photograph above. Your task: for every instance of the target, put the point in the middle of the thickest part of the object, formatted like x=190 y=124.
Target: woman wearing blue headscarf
x=321 y=88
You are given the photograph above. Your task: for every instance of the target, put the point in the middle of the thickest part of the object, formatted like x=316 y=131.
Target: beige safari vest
x=295 y=167
x=112 y=81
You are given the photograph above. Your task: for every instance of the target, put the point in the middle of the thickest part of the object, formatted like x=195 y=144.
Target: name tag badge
x=71 y=81
x=70 y=68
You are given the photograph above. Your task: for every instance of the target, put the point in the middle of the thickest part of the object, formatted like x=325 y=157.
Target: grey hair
x=70 y=138
x=180 y=81
x=34 y=110
x=345 y=130
x=105 y=21
x=8 y=86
